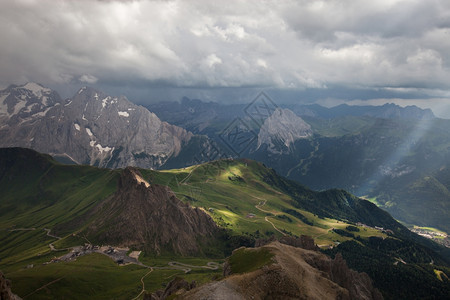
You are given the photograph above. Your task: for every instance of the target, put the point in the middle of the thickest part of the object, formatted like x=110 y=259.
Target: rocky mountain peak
x=36 y=88
x=149 y=216
x=25 y=102
x=113 y=126
x=281 y=130
x=89 y=128
x=293 y=273
x=393 y=111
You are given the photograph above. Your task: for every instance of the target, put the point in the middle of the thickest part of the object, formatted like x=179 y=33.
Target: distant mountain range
x=386 y=111
x=372 y=151
x=90 y=128
x=198 y=116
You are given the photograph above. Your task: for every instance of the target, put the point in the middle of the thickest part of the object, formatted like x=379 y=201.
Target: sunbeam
x=394 y=161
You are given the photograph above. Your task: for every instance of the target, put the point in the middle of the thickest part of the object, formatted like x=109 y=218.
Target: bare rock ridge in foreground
x=5 y=289
x=90 y=128
x=294 y=273
x=148 y=216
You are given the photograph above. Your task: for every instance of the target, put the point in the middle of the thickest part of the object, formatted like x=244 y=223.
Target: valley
x=171 y=221
x=434 y=234
x=48 y=243
x=398 y=155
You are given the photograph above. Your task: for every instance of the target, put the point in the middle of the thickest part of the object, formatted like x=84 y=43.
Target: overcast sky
x=228 y=50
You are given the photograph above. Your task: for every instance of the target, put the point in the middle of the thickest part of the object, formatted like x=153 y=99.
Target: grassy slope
x=97 y=277
x=42 y=197
x=41 y=200
x=247 y=260
x=94 y=276
x=236 y=193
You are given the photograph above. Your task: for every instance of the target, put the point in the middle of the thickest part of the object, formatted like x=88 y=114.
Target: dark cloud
x=315 y=48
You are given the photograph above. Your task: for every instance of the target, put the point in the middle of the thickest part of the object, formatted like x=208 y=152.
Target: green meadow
x=237 y=194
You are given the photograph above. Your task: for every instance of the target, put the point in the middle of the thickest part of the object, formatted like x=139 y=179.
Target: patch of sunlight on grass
x=228 y=216
x=440 y=274
x=430 y=229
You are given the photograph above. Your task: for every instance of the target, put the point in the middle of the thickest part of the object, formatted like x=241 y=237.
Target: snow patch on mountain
x=105 y=101
x=42 y=113
x=41 y=124
x=103 y=149
x=89 y=132
x=18 y=107
x=36 y=89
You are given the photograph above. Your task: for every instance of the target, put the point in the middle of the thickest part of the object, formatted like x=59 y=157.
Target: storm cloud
x=388 y=45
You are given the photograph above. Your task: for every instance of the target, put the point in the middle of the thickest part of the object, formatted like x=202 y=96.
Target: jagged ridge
x=293 y=273
x=148 y=216
x=90 y=128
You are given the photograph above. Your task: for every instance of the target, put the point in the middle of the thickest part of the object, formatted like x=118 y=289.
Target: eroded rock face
x=358 y=284
x=177 y=286
x=149 y=216
x=90 y=128
x=5 y=289
x=295 y=273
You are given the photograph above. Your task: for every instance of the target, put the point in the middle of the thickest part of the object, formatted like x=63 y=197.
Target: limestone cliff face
x=149 y=216
x=90 y=128
x=281 y=130
x=294 y=274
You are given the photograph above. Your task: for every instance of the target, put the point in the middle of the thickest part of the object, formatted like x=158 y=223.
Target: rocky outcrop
x=5 y=289
x=281 y=130
x=294 y=273
x=176 y=287
x=359 y=285
x=90 y=128
x=150 y=217
x=304 y=242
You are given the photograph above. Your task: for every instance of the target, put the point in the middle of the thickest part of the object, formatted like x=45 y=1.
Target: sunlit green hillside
x=246 y=199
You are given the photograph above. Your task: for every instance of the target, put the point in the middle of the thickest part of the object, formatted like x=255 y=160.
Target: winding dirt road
x=43 y=287
x=52 y=247
x=274 y=227
x=143 y=284
x=187 y=268
x=258 y=206
x=22 y=229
